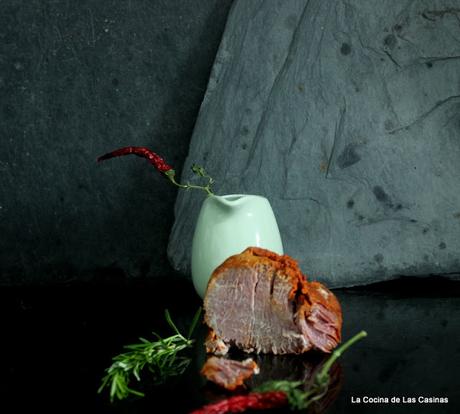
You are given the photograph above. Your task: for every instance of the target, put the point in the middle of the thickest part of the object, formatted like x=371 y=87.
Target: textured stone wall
x=77 y=79
x=345 y=114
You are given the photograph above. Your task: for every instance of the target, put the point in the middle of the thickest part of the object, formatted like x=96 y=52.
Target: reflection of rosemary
x=160 y=357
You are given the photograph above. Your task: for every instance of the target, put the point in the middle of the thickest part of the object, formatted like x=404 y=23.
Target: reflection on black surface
x=284 y=367
x=300 y=368
x=57 y=342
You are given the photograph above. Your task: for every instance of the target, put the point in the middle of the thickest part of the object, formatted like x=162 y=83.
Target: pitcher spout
x=230 y=201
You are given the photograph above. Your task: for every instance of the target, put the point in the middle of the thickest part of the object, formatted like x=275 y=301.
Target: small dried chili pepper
x=161 y=165
x=154 y=159
x=241 y=403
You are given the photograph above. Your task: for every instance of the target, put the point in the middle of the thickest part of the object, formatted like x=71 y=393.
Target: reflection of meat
x=301 y=368
x=262 y=303
x=287 y=367
x=229 y=373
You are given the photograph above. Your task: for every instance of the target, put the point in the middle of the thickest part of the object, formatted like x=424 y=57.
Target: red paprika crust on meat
x=261 y=302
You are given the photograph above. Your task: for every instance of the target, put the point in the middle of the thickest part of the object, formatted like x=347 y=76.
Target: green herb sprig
x=160 y=357
x=298 y=398
x=200 y=172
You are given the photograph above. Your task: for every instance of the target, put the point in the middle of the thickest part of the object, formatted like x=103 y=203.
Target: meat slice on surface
x=261 y=302
x=229 y=373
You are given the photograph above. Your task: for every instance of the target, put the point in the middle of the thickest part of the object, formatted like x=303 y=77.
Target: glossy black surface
x=56 y=342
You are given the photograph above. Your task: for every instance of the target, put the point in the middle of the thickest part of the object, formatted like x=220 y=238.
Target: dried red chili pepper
x=241 y=403
x=161 y=165
x=154 y=159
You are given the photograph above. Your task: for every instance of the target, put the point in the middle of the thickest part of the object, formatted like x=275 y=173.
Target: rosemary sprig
x=297 y=397
x=160 y=357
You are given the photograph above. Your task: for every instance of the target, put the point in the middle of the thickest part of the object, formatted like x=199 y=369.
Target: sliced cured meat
x=229 y=373
x=261 y=302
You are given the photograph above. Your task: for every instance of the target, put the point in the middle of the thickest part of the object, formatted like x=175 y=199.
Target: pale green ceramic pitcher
x=226 y=226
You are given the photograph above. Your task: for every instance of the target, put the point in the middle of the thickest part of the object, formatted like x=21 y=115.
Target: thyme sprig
x=200 y=172
x=298 y=398
x=161 y=357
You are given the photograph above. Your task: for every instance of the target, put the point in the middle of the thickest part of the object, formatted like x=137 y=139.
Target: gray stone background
x=346 y=116
x=356 y=104
x=77 y=79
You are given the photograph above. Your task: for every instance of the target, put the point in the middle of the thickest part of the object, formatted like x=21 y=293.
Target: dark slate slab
x=77 y=79
x=346 y=116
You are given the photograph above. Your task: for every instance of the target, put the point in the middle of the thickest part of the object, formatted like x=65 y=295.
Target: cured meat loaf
x=261 y=302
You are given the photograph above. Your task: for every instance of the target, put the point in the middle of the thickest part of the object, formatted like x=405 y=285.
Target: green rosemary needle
x=160 y=357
